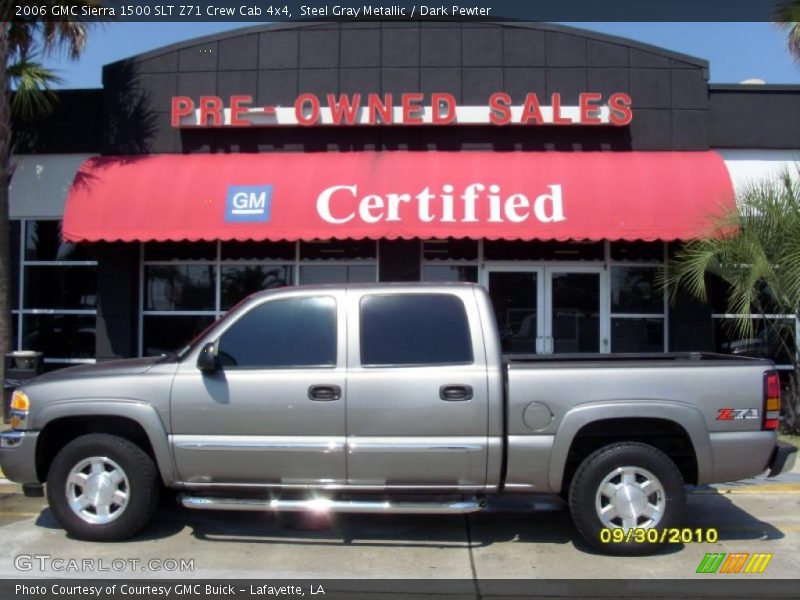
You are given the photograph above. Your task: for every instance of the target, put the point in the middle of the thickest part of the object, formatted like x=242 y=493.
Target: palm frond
x=32 y=89
x=759 y=261
x=787 y=16
x=28 y=35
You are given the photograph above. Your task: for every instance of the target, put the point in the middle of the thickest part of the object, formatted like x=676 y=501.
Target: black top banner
x=260 y=11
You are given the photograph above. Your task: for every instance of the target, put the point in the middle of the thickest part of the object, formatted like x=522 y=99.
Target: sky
x=736 y=51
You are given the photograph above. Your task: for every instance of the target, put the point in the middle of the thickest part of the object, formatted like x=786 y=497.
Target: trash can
x=20 y=366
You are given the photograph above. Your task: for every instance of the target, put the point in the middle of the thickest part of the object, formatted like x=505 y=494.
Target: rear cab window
x=400 y=330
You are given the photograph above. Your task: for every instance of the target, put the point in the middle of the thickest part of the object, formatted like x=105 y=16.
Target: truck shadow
x=523 y=520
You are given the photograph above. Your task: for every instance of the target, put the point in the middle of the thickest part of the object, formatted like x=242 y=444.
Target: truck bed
x=673 y=359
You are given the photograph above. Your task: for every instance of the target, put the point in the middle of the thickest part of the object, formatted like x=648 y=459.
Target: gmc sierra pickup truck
x=387 y=398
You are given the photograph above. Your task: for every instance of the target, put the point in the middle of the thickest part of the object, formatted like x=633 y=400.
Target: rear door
x=417 y=404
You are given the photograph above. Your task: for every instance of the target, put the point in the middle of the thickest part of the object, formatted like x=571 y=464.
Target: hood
x=111 y=368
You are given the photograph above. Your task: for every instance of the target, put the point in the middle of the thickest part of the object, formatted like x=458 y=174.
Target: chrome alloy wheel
x=97 y=490
x=630 y=497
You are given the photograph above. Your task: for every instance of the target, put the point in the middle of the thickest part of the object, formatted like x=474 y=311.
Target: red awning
x=494 y=195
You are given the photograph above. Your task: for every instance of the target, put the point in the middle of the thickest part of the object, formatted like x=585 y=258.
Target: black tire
x=597 y=466
x=142 y=487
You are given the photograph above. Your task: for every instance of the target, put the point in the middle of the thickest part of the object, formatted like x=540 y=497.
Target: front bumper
x=783 y=459
x=18 y=455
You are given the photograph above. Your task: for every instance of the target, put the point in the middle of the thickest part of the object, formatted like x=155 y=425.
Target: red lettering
x=182 y=106
x=531 y=110
x=239 y=106
x=210 y=106
x=557 y=118
x=343 y=109
x=312 y=116
x=725 y=414
x=412 y=108
x=499 y=111
x=620 y=107
x=446 y=101
x=588 y=109
x=380 y=109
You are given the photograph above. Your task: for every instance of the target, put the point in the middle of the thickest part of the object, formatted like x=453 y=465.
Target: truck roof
x=368 y=286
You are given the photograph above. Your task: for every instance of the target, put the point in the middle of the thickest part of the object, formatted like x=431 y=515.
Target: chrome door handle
x=324 y=393
x=455 y=392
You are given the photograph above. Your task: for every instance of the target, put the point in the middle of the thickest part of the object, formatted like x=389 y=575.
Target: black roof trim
x=586 y=33
x=754 y=87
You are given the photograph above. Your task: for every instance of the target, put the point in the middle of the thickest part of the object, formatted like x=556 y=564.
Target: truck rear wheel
x=102 y=488
x=622 y=489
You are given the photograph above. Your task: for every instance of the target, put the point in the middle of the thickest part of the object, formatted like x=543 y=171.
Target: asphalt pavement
x=527 y=537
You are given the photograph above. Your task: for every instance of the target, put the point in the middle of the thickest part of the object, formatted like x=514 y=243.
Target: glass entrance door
x=549 y=309
x=573 y=311
x=517 y=296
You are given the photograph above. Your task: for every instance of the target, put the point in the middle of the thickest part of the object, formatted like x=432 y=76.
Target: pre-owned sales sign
x=593 y=108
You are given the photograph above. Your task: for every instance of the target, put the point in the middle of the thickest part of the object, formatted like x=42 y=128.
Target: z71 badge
x=736 y=414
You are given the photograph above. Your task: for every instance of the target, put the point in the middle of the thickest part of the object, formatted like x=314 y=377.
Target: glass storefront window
x=14 y=234
x=240 y=281
x=63 y=287
x=177 y=251
x=637 y=307
x=43 y=242
x=637 y=335
x=634 y=290
x=765 y=341
x=507 y=250
x=718 y=291
x=333 y=273
x=59 y=283
x=339 y=250
x=164 y=334
x=449 y=249
x=179 y=287
x=186 y=284
x=60 y=336
x=259 y=251
x=650 y=252
x=445 y=273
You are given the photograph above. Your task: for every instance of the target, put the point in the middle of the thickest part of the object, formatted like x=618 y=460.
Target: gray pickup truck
x=387 y=398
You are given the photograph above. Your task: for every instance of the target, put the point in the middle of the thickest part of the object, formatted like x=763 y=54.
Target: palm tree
x=757 y=255
x=787 y=16
x=21 y=40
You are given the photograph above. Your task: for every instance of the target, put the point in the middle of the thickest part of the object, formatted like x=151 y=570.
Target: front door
x=274 y=412
x=548 y=309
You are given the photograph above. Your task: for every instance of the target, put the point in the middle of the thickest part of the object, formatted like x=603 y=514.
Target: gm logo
x=248 y=203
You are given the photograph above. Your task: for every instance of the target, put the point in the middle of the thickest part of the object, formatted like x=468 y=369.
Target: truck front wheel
x=102 y=488
x=621 y=491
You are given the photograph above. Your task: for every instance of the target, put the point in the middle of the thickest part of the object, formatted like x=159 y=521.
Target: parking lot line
x=766 y=488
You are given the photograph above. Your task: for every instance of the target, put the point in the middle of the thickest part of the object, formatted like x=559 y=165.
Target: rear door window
x=414 y=329
x=293 y=332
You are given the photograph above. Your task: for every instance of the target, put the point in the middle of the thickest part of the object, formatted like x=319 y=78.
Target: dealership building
x=559 y=168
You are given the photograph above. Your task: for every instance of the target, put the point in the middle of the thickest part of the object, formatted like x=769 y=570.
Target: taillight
x=772 y=400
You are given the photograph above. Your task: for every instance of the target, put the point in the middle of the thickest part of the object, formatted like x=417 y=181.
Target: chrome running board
x=324 y=505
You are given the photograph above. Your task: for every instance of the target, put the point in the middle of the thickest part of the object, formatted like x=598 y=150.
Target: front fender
x=140 y=412
x=686 y=416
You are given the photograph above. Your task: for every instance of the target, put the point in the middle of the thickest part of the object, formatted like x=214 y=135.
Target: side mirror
x=207 y=360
